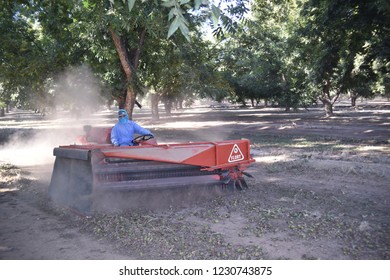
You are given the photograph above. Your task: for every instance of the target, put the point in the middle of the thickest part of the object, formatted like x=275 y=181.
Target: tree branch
x=123 y=55
x=139 y=48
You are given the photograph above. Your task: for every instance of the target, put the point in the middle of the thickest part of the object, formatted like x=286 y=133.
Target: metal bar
x=72 y=153
x=149 y=184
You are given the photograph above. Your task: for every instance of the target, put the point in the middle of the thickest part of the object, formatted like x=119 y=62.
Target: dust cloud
x=78 y=91
x=35 y=148
x=27 y=139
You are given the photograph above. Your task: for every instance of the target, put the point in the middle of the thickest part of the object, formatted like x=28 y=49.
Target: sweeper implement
x=96 y=167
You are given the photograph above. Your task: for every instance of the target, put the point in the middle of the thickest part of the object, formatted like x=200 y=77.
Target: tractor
x=93 y=167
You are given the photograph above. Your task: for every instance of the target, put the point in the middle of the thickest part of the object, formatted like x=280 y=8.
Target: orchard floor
x=320 y=190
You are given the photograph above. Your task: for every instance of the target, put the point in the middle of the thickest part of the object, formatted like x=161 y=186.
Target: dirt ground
x=320 y=190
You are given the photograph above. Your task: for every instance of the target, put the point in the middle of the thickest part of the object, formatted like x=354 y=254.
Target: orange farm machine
x=95 y=166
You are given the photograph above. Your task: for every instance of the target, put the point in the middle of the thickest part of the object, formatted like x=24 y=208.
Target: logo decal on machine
x=236 y=154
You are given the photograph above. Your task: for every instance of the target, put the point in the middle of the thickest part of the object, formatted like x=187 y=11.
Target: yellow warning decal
x=236 y=154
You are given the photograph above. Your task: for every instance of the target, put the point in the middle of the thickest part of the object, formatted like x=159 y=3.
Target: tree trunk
x=328 y=108
x=327 y=100
x=180 y=101
x=2 y=112
x=130 y=101
x=129 y=66
x=353 y=101
x=155 y=98
x=354 y=97
x=287 y=105
x=123 y=55
x=167 y=101
x=168 y=106
x=286 y=93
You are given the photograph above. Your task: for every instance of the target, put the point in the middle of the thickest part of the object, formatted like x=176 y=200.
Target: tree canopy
x=288 y=53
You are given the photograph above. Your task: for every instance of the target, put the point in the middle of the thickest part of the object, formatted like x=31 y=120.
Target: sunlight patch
x=272 y=159
x=3 y=190
x=372 y=148
x=196 y=124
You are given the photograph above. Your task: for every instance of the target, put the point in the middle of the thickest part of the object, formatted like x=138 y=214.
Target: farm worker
x=123 y=132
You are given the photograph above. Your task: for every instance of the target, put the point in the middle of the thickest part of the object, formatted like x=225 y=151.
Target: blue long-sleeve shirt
x=123 y=133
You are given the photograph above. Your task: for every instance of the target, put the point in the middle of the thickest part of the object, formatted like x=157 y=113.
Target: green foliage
x=260 y=59
x=288 y=52
x=342 y=41
x=27 y=57
x=178 y=13
x=294 y=52
x=179 y=70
